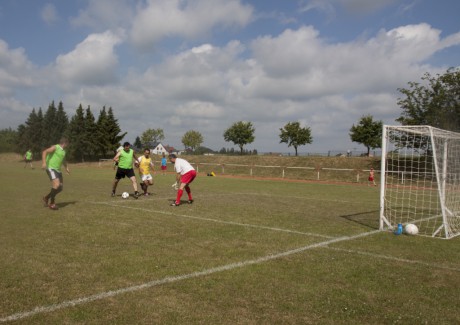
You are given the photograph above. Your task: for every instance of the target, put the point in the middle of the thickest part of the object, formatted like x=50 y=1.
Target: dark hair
x=147 y=149
x=126 y=144
x=172 y=156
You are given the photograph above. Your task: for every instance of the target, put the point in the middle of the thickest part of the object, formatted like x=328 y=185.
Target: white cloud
x=93 y=61
x=16 y=71
x=105 y=14
x=186 y=19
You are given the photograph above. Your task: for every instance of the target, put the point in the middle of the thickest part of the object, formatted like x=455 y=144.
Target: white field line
x=212 y=220
x=291 y=197
x=154 y=283
x=392 y=258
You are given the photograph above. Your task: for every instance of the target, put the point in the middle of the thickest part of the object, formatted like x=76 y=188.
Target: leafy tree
x=151 y=136
x=240 y=133
x=8 y=140
x=368 y=132
x=436 y=102
x=192 y=139
x=295 y=136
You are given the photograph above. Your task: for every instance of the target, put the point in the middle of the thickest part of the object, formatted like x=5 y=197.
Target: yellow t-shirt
x=144 y=164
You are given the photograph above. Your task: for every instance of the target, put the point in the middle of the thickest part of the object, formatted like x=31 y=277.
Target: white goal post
x=420 y=180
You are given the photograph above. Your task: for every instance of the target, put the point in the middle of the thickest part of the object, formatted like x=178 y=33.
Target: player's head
x=146 y=152
x=126 y=146
x=63 y=142
x=172 y=157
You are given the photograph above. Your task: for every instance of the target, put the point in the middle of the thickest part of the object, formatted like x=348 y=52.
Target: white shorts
x=147 y=177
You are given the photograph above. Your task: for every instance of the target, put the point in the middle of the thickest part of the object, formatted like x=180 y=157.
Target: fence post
x=223 y=168
x=283 y=172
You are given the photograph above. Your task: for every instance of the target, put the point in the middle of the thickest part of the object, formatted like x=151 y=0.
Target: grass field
x=246 y=252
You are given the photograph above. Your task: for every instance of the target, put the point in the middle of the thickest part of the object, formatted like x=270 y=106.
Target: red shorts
x=187 y=178
x=371 y=179
x=163 y=167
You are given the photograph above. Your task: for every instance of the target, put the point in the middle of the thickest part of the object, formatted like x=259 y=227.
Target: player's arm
x=66 y=167
x=137 y=163
x=45 y=153
x=135 y=160
x=117 y=157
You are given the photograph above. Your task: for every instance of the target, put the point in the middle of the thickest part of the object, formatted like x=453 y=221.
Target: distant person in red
x=185 y=174
x=371 y=177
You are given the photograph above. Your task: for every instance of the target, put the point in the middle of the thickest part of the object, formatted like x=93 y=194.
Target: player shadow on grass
x=367 y=222
x=64 y=204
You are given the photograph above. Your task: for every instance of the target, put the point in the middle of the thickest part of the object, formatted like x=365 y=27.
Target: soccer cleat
x=45 y=201
x=53 y=207
x=136 y=195
x=113 y=194
x=190 y=201
x=174 y=204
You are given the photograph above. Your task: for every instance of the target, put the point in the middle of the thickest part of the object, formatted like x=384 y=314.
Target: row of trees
x=435 y=101
x=90 y=137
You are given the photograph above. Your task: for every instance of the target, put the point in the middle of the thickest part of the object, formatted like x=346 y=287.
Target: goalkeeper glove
x=175 y=186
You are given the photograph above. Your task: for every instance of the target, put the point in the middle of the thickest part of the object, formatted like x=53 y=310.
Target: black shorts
x=122 y=172
x=53 y=174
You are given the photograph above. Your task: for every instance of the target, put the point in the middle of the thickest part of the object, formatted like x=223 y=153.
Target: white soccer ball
x=125 y=195
x=411 y=229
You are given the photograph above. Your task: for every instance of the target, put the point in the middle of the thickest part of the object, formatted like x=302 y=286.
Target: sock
x=179 y=195
x=52 y=195
x=189 y=192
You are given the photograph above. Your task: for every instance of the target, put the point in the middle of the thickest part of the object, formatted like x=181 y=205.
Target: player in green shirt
x=125 y=159
x=28 y=159
x=52 y=160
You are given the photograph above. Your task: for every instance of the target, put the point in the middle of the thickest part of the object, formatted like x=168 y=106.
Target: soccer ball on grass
x=125 y=195
x=411 y=229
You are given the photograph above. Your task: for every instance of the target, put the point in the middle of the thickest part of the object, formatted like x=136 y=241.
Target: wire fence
x=284 y=172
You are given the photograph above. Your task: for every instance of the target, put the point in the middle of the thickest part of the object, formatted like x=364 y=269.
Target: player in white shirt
x=185 y=174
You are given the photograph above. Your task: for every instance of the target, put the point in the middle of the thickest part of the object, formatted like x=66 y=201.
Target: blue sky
x=202 y=65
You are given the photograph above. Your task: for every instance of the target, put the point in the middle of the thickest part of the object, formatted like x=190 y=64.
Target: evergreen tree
x=61 y=123
x=90 y=134
x=113 y=130
x=138 y=143
x=49 y=130
x=103 y=138
x=76 y=135
x=30 y=134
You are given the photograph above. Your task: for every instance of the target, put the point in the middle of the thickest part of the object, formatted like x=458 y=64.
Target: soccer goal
x=420 y=180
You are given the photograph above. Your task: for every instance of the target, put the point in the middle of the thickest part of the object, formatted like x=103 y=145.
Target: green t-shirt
x=126 y=159
x=29 y=155
x=55 y=159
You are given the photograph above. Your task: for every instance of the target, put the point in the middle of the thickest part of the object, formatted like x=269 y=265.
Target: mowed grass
x=246 y=252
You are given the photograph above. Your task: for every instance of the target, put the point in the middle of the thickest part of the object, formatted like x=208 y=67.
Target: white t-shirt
x=182 y=166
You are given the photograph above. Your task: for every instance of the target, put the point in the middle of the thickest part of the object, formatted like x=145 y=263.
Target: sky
x=203 y=65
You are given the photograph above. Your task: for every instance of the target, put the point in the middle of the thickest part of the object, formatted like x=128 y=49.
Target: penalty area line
x=392 y=258
x=215 y=220
x=154 y=283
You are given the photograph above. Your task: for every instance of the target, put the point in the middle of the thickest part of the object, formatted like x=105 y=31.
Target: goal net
x=420 y=180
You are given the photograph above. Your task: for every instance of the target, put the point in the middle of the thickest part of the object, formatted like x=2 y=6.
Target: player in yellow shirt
x=146 y=170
